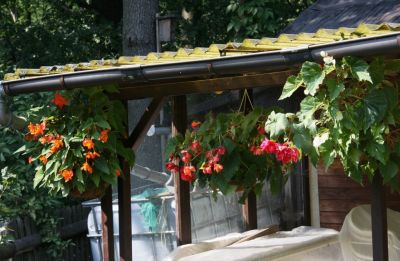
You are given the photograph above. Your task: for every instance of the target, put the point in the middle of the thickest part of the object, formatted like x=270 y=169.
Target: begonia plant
x=231 y=152
x=350 y=112
x=76 y=143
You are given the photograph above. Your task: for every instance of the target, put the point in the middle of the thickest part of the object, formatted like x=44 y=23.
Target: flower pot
x=90 y=193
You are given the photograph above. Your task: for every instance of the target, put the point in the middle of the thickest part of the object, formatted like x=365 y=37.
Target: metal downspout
x=7 y=118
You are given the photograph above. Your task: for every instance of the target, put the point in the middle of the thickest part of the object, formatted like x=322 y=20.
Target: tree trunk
x=139 y=38
x=139 y=27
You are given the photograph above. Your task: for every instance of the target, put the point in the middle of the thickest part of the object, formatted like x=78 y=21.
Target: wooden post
x=249 y=209
x=182 y=188
x=379 y=220
x=124 y=184
x=124 y=214
x=107 y=225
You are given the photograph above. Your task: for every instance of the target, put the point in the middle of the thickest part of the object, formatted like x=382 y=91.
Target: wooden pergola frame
x=182 y=192
x=265 y=69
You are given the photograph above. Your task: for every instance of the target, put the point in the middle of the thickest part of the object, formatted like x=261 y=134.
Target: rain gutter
x=208 y=68
x=201 y=69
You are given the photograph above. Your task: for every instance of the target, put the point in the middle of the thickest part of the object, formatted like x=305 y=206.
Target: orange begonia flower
x=37 y=129
x=195 y=124
x=118 y=172
x=87 y=168
x=92 y=155
x=46 y=138
x=88 y=143
x=57 y=144
x=104 y=135
x=43 y=159
x=67 y=174
x=59 y=100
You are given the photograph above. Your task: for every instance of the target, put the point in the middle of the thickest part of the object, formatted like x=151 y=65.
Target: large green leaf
x=101 y=164
x=291 y=85
x=389 y=170
x=276 y=124
x=308 y=106
x=358 y=68
x=334 y=88
x=377 y=151
x=313 y=76
x=373 y=108
x=38 y=178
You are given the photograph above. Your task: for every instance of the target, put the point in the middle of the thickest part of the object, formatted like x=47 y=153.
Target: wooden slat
x=275 y=79
x=337 y=181
x=107 y=225
x=334 y=217
x=182 y=188
x=332 y=226
x=343 y=193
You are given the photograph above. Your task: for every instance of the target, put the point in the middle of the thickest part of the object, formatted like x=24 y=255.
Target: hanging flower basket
x=76 y=144
x=230 y=152
x=89 y=193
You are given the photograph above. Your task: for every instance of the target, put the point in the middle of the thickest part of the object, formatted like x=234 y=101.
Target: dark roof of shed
x=345 y=13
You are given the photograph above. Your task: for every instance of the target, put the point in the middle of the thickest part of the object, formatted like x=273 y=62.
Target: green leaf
x=96 y=179
x=21 y=149
x=102 y=123
x=39 y=175
x=291 y=85
x=373 y=108
x=377 y=151
x=376 y=70
x=101 y=164
x=334 y=88
x=229 y=145
x=231 y=165
x=358 y=68
x=276 y=124
x=79 y=176
x=308 y=106
x=389 y=170
x=313 y=76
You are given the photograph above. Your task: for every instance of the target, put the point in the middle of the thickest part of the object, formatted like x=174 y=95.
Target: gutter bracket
x=133 y=75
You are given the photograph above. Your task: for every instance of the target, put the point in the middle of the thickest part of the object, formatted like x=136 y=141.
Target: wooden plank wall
x=338 y=194
x=78 y=250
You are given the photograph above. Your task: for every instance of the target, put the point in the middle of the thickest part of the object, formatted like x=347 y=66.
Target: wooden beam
x=182 y=188
x=275 y=79
x=124 y=215
x=249 y=209
x=379 y=220
x=148 y=117
x=124 y=184
x=107 y=225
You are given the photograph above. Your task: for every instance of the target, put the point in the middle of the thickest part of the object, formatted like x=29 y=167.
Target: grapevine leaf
x=389 y=170
x=334 y=88
x=313 y=76
x=358 y=68
x=276 y=124
x=291 y=85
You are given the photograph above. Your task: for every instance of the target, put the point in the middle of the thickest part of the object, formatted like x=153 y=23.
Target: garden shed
x=266 y=62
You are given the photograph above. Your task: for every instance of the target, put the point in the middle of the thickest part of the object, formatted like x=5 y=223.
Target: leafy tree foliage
x=48 y=32
x=226 y=20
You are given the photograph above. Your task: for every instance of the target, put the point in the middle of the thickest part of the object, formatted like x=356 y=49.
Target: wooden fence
x=28 y=245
